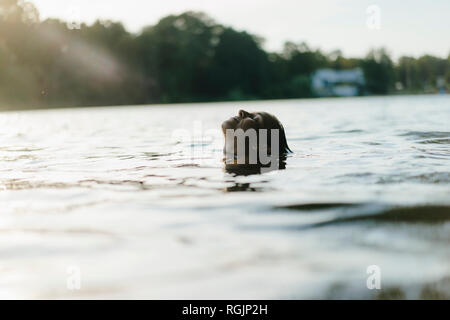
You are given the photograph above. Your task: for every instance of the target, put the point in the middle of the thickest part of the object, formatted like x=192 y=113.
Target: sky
x=410 y=28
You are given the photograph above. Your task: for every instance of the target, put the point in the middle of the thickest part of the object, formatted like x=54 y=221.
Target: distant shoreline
x=239 y=102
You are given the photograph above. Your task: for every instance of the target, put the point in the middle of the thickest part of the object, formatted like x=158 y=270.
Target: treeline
x=183 y=58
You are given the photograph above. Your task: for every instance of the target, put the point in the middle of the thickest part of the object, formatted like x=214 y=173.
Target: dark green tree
x=379 y=72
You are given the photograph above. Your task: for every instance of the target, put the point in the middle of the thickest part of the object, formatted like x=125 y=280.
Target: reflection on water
x=146 y=208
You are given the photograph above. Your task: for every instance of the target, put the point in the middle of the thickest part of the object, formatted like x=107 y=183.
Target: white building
x=341 y=83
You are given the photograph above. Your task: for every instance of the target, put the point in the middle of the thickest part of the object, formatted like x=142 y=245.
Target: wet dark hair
x=256 y=120
x=271 y=122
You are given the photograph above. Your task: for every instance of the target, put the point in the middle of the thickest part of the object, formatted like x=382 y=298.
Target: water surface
x=137 y=200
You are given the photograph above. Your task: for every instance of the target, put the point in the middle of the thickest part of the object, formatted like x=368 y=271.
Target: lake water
x=134 y=202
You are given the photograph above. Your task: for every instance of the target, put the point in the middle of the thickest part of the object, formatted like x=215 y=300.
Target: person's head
x=251 y=124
